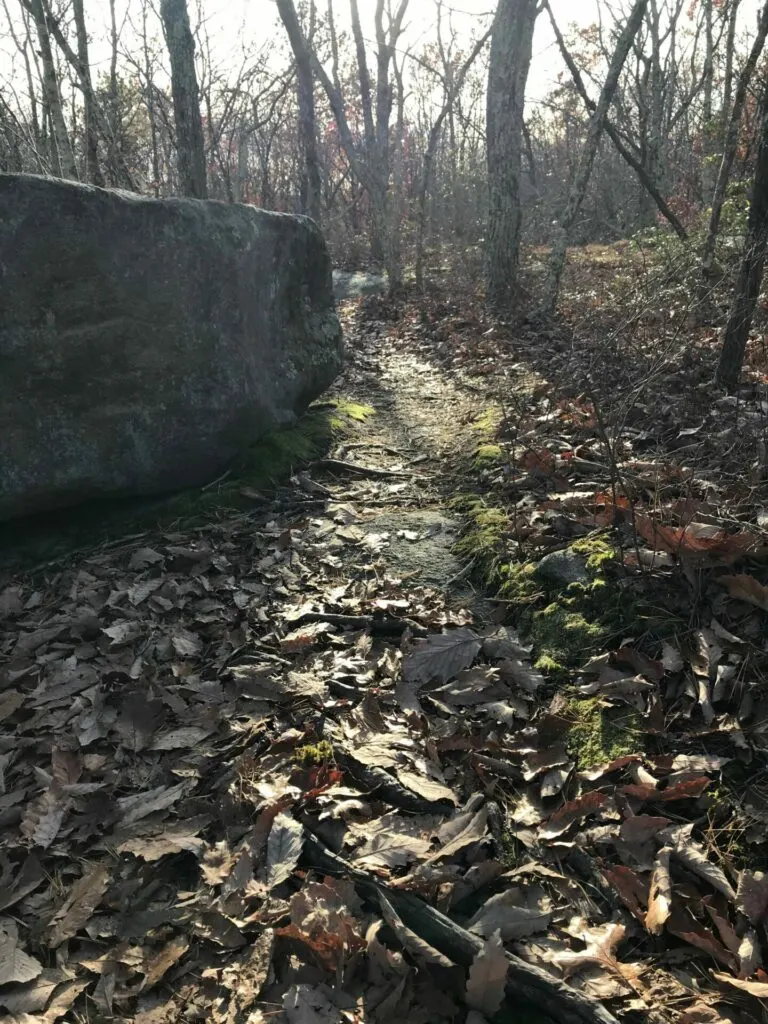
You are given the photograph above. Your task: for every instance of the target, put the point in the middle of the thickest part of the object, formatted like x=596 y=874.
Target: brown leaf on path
x=631 y=888
x=393 y=841
x=79 y=906
x=33 y=996
x=28 y=878
x=752 y=896
x=513 y=914
x=682 y=924
x=660 y=895
x=142 y=804
x=575 y=810
x=689 y=790
x=440 y=658
x=641 y=663
x=639 y=828
x=487 y=977
x=44 y=816
x=15 y=965
x=427 y=788
x=246 y=977
x=749 y=954
x=752 y=988
x=697 y=541
x=743 y=587
x=696 y=860
x=284 y=847
x=10 y=702
x=162 y=961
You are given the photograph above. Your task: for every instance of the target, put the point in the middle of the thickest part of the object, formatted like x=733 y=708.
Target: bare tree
x=752 y=263
x=62 y=155
x=190 y=146
x=581 y=179
x=729 y=150
x=311 y=183
x=92 y=168
x=511 y=50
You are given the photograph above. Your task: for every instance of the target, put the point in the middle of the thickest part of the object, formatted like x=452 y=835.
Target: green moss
x=314 y=754
x=600 y=734
x=485 y=536
x=519 y=583
x=487 y=455
x=597 y=550
x=563 y=637
x=488 y=421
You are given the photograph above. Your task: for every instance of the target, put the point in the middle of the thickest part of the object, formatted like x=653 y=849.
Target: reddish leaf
x=575 y=810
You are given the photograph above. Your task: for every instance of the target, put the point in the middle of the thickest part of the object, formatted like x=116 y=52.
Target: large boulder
x=145 y=342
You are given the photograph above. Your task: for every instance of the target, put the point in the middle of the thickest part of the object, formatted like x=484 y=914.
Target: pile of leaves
x=249 y=774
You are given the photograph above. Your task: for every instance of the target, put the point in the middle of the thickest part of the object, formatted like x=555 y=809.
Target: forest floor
x=465 y=722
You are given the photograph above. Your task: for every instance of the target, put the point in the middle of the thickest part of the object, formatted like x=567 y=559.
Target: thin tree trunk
x=311 y=189
x=729 y=152
x=581 y=180
x=752 y=264
x=429 y=154
x=613 y=135
x=190 y=147
x=64 y=157
x=511 y=51
x=730 y=50
x=92 y=169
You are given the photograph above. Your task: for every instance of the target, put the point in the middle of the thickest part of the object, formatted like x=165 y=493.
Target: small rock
x=563 y=567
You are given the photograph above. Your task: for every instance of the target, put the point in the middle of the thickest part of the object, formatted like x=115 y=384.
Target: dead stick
x=561 y=1003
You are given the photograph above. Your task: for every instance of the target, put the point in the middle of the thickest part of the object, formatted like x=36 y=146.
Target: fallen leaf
x=743 y=587
x=752 y=896
x=442 y=657
x=15 y=964
x=409 y=939
x=753 y=988
x=162 y=961
x=487 y=977
x=660 y=896
x=77 y=909
x=513 y=914
x=427 y=788
x=575 y=810
x=283 y=849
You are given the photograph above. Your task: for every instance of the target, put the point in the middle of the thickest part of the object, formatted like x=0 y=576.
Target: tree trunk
x=190 y=147
x=625 y=153
x=511 y=50
x=729 y=152
x=587 y=159
x=64 y=161
x=752 y=264
x=92 y=169
x=311 y=185
x=730 y=51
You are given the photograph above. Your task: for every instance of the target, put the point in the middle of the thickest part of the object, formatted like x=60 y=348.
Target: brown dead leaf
x=513 y=914
x=660 y=896
x=284 y=847
x=743 y=587
x=752 y=896
x=575 y=810
x=15 y=965
x=442 y=657
x=77 y=909
x=753 y=988
x=487 y=977
x=162 y=961
x=45 y=816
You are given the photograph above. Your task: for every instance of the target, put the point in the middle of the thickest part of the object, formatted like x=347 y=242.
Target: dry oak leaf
x=660 y=897
x=573 y=811
x=79 y=906
x=15 y=964
x=487 y=977
x=743 y=587
x=754 y=988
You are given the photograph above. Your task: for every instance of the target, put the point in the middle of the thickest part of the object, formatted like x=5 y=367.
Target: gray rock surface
x=563 y=567
x=144 y=343
x=352 y=284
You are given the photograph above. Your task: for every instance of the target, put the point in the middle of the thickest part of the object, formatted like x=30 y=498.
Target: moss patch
x=262 y=465
x=485 y=538
x=563 y=638
x=600 y=734
x=487 y=455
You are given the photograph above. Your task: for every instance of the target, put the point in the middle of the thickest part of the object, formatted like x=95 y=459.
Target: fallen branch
x=548 y=995
x=379 y=625
x=358 y=470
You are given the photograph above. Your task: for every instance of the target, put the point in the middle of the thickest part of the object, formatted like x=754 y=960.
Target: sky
x=233 y=22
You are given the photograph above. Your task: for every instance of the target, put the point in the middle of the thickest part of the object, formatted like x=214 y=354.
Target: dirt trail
x=179 y=709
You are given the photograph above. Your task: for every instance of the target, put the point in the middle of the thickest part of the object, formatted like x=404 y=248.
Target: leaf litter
x=183 y=712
